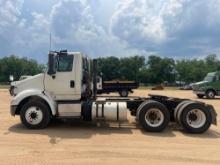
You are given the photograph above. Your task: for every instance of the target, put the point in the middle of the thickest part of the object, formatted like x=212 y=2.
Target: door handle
x=72 y=84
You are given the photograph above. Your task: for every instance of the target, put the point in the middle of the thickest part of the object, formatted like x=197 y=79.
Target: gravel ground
x=85 y=143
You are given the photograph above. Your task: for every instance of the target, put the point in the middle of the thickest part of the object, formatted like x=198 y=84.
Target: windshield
x=209 y=78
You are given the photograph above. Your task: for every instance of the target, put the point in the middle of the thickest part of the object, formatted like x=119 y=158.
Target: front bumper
x=13 y=109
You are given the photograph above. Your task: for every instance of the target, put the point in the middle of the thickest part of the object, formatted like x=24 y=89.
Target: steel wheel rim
x=34 y=115
x=199 y=118
x=156 y=120
x=124 y=93
x=211 y=94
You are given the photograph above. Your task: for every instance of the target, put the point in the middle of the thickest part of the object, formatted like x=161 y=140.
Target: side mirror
x=11 y=78
x=51 y=64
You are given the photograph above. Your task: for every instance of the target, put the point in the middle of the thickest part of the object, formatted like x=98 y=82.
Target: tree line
x=147 y=70
x=155 y=69
x=17 y=67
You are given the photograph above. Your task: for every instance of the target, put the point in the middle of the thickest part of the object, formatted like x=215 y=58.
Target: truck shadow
x=210 y=134
x=83 y=130
x=59 y=130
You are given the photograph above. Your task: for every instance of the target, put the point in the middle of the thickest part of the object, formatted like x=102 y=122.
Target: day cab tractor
x=64 y=91
x=209 y=87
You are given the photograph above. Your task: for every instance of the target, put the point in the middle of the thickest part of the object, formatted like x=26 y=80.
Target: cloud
x=19 y=36
x=9 y=12
x=74 y=27
x=72 y=19
x=111 y=27
x=173 y=27
x=135 y=21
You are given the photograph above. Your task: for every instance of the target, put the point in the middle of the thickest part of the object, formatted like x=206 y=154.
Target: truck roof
x=78 y=54
x=70 y=53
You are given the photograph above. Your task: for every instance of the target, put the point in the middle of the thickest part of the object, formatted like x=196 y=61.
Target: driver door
x=62 y=84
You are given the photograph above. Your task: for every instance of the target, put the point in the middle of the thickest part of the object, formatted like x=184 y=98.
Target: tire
x=180 y=109
x=35 y=115
x=177 y=109
x=210 y=94
x=123 y=93
x=153 y=116
x=200 y=121
x=200 y=96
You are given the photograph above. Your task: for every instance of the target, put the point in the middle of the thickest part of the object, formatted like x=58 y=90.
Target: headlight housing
x=198 y=88
x=12 y=90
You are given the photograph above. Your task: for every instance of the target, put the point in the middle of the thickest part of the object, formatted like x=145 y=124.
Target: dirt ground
x=85 y=143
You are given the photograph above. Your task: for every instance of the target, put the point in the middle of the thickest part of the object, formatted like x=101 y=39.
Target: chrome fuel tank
x=110 y=111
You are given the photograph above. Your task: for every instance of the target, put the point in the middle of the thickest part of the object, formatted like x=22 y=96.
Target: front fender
x=28 y=93
x=210 y=88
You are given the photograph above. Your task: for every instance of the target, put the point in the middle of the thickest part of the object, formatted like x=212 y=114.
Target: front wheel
x=35 y=115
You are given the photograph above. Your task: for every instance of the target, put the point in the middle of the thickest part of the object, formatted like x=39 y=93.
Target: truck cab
x=209 y=87
x=65 y=78
x=61 y=89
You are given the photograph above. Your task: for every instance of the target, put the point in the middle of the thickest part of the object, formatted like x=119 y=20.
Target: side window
x=65 y=63
x=217 y=78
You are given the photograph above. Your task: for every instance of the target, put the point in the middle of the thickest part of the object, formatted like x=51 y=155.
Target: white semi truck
x=64 y=91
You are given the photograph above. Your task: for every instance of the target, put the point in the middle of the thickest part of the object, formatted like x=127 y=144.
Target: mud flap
x=213 y=114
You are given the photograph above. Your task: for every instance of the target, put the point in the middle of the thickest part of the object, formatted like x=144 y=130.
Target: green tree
x=191 y=70
x=212 y=63
x=161 y=69
x=16 y=66
x=109 y=67
x=130 y=67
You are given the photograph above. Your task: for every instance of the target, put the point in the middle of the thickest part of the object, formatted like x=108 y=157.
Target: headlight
x=12 y=90
x=197 y=88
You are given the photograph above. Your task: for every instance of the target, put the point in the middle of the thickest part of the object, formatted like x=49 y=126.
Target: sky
x=99 y=28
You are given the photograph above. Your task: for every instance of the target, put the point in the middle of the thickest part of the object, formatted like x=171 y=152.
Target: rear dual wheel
x=193 y=116
x=153 y=116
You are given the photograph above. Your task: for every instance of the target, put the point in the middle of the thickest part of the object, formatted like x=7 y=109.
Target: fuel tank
x=109 y=111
